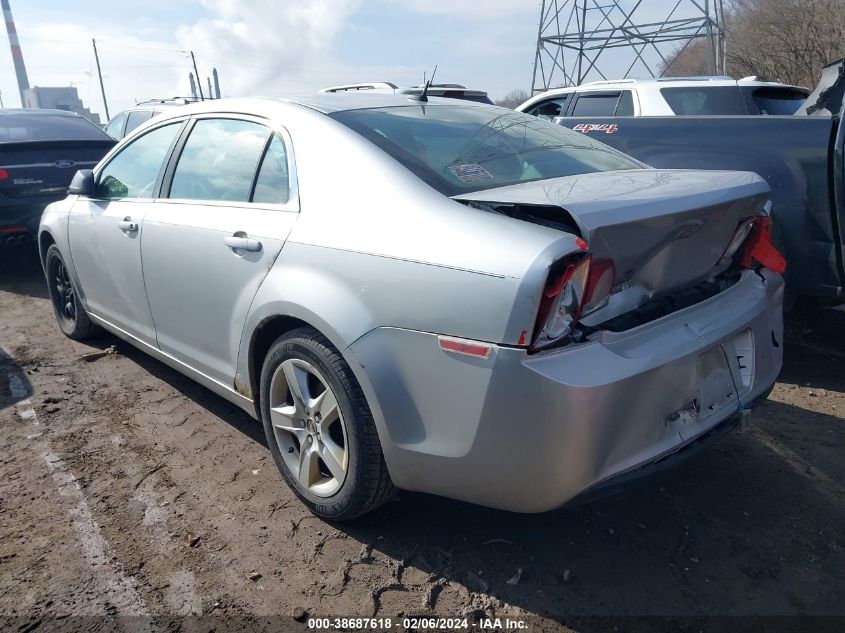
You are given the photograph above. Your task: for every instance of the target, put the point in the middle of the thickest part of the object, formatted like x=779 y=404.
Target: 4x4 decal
x=586 y=128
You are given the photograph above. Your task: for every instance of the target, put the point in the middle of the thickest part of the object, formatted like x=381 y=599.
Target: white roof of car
x=666 y=82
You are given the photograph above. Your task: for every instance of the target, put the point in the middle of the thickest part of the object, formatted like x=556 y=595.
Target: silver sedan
x=427 y=295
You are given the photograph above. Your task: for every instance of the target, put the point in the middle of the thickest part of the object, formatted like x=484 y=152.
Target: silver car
x=435 y=296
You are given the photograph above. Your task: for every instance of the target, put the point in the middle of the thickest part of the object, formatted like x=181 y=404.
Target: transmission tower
x=579 y=40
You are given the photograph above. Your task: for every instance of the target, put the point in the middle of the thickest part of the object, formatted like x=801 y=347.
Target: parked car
x=448 y=91
x=122 y=124
x=40 y=151
x=686 y=96
x=799 y=156
x=445 y=297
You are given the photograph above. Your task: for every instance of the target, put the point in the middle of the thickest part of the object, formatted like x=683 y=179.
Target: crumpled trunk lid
x=663 y=229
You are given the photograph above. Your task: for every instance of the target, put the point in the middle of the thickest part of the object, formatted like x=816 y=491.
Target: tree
x=513 y=99
x=777 y=40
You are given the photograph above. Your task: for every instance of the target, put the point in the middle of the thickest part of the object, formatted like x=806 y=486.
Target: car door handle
x=127 y=225
x=242 y=243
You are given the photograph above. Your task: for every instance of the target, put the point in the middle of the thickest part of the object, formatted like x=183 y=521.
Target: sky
x=268 y=47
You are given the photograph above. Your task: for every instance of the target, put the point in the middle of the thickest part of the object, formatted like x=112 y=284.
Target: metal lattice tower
x=619 y=39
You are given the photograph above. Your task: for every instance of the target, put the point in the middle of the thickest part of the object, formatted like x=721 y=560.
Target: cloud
x=271 y=47
x=257 y=45
x=487 y=10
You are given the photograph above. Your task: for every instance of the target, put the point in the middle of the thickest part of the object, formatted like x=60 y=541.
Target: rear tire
x=320 y=429
x=70 y=314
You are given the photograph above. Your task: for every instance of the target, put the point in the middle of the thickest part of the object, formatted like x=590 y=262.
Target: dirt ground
x=128 y=490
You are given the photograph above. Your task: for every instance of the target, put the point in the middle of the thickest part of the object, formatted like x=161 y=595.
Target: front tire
x=70 y=314
x=320 y=429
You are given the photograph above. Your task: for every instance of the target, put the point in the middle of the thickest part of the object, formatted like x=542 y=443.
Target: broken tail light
x=758 y=247
x=600 y=282
x=563 y=300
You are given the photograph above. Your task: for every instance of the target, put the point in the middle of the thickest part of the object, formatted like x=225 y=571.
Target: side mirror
x=82 y=184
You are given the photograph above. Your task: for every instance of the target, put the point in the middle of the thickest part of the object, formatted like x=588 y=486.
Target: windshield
x=459 y=149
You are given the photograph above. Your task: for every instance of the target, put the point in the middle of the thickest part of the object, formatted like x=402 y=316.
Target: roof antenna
x=424 y=95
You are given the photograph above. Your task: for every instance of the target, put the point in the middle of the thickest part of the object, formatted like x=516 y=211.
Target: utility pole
x=15 y=45
x=210 y=91
x=100 y=75
x=1 y=100
x=197 y=75
x=216 y=82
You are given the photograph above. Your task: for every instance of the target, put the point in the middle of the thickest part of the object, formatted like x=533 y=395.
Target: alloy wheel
x=64 y=296
x=309 y=427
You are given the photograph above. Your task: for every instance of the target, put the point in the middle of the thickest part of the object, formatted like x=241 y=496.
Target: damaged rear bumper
x=530 y=433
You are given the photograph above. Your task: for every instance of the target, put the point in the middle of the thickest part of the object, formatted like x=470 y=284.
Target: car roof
x=326 y=103
x=386 y=86
x=39 y=112
x=667 y=82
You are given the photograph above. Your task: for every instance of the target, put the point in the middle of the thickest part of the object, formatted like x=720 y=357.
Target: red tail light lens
x=563 y=300
x=758 y=247
x=599 y=285
x=4 y=173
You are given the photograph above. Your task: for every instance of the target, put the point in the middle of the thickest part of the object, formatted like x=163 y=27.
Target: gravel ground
x=126 y=489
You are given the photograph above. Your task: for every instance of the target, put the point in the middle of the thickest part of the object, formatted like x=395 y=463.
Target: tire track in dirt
x=120 y=590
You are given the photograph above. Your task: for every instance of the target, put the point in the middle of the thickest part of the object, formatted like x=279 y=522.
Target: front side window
x=705 y=100
x=134 y=171
x=219 y=160
x=459 y=149
x=272 y=184
x=550 y=108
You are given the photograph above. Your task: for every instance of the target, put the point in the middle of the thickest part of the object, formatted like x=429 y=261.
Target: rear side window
x=604 y=104
x=776 y=101
x=550 y=108
x=625 y=107
x=115 y=126
x=219 y=160
x=272 y=184
x=134 y=171
x=136 y=118
x=705 y=100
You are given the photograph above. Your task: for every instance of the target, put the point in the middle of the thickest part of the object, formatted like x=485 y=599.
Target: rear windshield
x=705 y=100
x=775 y=101
x=459 y=149
x=45 y=127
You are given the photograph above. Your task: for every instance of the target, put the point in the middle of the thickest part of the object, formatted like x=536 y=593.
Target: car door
x=209 y=242
x=105 y=231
